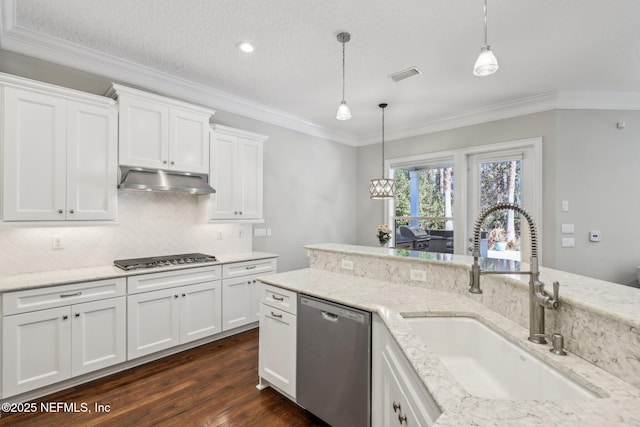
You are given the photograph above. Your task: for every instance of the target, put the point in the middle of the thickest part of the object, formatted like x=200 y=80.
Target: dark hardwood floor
x=212 y=385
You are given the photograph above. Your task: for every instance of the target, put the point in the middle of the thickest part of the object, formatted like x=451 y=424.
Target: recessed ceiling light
x=246 y=47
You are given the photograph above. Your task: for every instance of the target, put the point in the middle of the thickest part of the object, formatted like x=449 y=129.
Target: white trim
x=37 y=45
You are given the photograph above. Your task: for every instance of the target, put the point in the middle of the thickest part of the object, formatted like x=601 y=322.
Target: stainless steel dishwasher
x=334 y=362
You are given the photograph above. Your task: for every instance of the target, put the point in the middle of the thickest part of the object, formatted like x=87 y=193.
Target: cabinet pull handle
x=77 y=314
x=75 y=294
x=277 y=316
x=396 y=406
x=250 y=267
x=277 y=298
x=402 y=418
x=65 y=317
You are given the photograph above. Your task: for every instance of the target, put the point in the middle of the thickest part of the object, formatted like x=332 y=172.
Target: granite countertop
x=618 y=404
x=19 y=282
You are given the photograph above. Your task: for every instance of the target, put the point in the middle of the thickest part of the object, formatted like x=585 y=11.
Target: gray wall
x=308 y=182
x=598 y=172
x=586 y=161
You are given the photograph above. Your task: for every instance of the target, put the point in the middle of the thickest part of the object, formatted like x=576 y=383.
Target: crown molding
x=41 y=46
x=557 y=100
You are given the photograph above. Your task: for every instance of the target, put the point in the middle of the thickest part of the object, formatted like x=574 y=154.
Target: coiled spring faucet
x=538 y=298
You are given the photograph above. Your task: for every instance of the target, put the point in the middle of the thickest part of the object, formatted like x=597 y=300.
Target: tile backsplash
x=149 y=224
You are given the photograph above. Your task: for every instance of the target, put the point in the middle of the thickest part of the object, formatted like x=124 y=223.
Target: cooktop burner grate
x=162 y=261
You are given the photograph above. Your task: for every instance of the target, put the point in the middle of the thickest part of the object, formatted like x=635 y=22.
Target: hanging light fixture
x=382 y=188
x=486 y=64
x=343 y=110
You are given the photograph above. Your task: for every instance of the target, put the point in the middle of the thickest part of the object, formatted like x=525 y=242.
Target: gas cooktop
x=162 y=261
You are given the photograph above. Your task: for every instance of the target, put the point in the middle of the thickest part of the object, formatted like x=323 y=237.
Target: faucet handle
x=556 y=290
x=555 y=302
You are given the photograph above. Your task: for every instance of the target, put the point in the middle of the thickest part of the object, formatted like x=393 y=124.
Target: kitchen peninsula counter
x=380 y=283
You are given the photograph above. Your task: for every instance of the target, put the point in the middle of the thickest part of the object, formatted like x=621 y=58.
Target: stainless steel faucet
x=538 y=298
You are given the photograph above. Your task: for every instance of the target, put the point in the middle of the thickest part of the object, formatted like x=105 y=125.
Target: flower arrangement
x=383 y=234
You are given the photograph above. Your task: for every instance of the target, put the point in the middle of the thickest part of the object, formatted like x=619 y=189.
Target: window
x=425 y=200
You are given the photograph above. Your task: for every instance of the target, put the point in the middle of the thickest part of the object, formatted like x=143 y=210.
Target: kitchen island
x=593 y=312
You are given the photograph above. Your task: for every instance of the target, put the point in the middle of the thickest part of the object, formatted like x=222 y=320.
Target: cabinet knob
x=60 y=211
x=77 y=314
x=164 y=162
x=72 y=211
x=65 y=317
x=402 y=418
x=240 y=212
x=173 y=163
x=176 y=296
x=396 y=406
x=184 y=295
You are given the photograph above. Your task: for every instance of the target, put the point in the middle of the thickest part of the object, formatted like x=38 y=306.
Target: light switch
x=568 y=242
x=568 y=229
x=565 y=206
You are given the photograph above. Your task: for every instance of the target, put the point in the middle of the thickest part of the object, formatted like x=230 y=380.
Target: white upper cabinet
x=161 y=133
x=236 y=174
x=60 y=153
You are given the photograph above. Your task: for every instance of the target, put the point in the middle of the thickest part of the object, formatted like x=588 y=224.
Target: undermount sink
x=488 y=365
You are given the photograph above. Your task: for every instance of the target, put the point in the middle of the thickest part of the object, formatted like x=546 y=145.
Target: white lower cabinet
x=165 y=318
x=398 y=396
x=46 y=346
x=241 y=299
x=277 y=356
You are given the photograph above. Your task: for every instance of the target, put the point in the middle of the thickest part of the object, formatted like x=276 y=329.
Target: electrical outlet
x=568 y=242
x=56 y=242
x=418 y=275
x=259 y=232
x=347 y=264
x=220 y=234
x=568 y=229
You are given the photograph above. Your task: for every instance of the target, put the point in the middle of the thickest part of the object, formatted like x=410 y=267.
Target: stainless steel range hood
x=134 y=178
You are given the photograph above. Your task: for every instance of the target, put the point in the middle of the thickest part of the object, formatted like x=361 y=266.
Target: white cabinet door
x=237 y=306
x=236 y=174
x=223 y=176
x=144 y=133
x=34 y=159
x=153 y=322
x=99 y=331
x=395 y=407
x=92 y=162
x=249 y=182
x=36 y=350
x=200 y=311
x=277 y=357
x=188 y=141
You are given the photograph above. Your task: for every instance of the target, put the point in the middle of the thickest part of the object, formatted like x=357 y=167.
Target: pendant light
x=382 y=188
x=343 y=110
x=486 y=64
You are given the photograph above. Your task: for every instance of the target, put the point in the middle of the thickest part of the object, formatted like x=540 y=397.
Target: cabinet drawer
x=238 y=269
x=282 y=299
x=171 y=279
x=59 y=296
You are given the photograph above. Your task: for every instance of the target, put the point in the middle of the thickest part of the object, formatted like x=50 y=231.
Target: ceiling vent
x=405 y=74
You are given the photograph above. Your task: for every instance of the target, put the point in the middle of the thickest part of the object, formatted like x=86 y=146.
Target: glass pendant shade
x=343 y=111
x=486 y=64
x=382 y=188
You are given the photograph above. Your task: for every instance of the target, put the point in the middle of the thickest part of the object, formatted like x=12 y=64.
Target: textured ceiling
x=542 y=46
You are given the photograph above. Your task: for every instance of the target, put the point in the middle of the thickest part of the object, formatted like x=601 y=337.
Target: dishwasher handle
x=329 y=316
